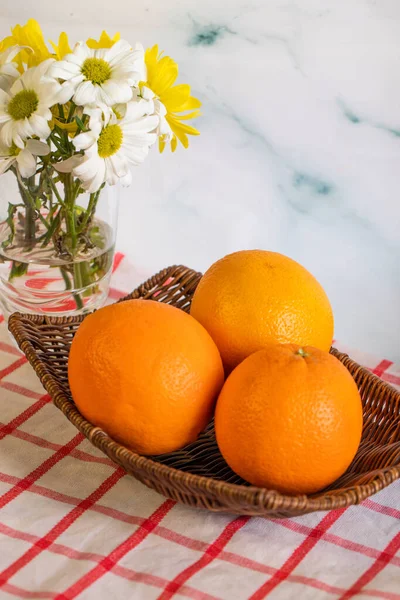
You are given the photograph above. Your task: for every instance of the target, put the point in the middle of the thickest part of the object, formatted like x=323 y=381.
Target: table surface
x=74 y=525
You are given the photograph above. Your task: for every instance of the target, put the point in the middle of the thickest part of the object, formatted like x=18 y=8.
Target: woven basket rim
x=259 y=498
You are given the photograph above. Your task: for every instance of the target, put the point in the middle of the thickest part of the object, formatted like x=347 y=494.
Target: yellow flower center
x=14 y=150
x=23 y=105
x=110 y=140
x=96 y=70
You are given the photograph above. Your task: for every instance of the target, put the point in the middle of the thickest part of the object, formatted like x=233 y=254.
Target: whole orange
x=145 y=372
x=252 y=298
x=289 y=418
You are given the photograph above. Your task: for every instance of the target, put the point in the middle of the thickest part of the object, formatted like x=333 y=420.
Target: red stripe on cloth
x=40 y=283
x=390 y=378
x=118 y=258
x=15 y=365
x=27 y=481
x=146 y=578
x=157 y=581
x=1 y=318
x=382 y=367
x=335 y=540
x=298 y=555
x=54 y=548
x=21 y=593
x=190 y=592
x=301 y=579
x=212 y=551
x=41 y=490
x=42 y=443
x=18 y=389
x=115 y=294
x=24 y=416
x=380 y=508
x=123 y=572
x=119 y=552
x=46 y=541
x=9 y=349
x=200 y=546
x=379 y=564
x=197 y=544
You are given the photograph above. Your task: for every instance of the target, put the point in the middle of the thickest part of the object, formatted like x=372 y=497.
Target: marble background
x=300 y=144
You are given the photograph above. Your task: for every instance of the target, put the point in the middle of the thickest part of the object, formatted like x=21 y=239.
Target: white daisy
x=109 y=151
x=25 y=110
x=101 y=76
x=163 y=130
x=8 y=69
x=24 y=159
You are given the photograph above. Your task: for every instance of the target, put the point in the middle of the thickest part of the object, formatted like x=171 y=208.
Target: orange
x=289 y=418
x=145 y=372
x=252 y=298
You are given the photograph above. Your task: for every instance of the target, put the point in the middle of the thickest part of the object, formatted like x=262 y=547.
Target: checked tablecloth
x=73 y=525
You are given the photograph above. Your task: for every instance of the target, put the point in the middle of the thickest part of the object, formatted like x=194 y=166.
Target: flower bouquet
x=73 y=121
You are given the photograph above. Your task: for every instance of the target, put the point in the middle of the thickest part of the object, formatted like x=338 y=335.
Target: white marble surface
x=300 y=144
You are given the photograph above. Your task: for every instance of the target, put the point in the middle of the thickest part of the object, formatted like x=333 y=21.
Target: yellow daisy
x=29 y=35
x=63 y=46
x=105 y=41
x=162 y=72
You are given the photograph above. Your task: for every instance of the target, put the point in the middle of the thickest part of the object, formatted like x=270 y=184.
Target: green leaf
x=12 y=208
x=96 y=237
x=55 y=225
x=18 y=269
x=80 y=123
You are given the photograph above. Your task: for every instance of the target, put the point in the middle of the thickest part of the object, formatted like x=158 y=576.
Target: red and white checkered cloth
x=74 y=525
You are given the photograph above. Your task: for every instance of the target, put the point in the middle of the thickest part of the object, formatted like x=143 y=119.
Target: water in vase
x=40 y=276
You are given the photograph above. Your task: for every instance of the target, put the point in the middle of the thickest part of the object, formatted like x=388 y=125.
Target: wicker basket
x=197 y=475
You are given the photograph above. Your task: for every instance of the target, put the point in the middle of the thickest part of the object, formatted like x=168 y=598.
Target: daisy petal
x=84 y=140
x=4 y=97
x=182 y=137
x=126 y=180
x=64 y=69
x=85 y=93
x=26 y=163
x=149 y=123
x=6 y=133
x=43 y=67
x=40 y=126
x=68 y=165
x=37 y=148
x=111 y=176
x=81 y=51
x=161 y=144
x=119 y=92
x=65 y=93
x=18 y=141
x=120 y=47
x=92 y=173
x=88 y=168
x=5 y=163
x=119 y=164
x=99 y=178
x=25 y=128
x=177 y=95
x=176 y=124
x=135 y=111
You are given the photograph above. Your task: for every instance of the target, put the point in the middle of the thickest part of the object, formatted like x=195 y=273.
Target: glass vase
x=56 y=245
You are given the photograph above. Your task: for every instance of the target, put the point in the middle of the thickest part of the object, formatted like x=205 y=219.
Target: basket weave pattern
x=198 y=475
